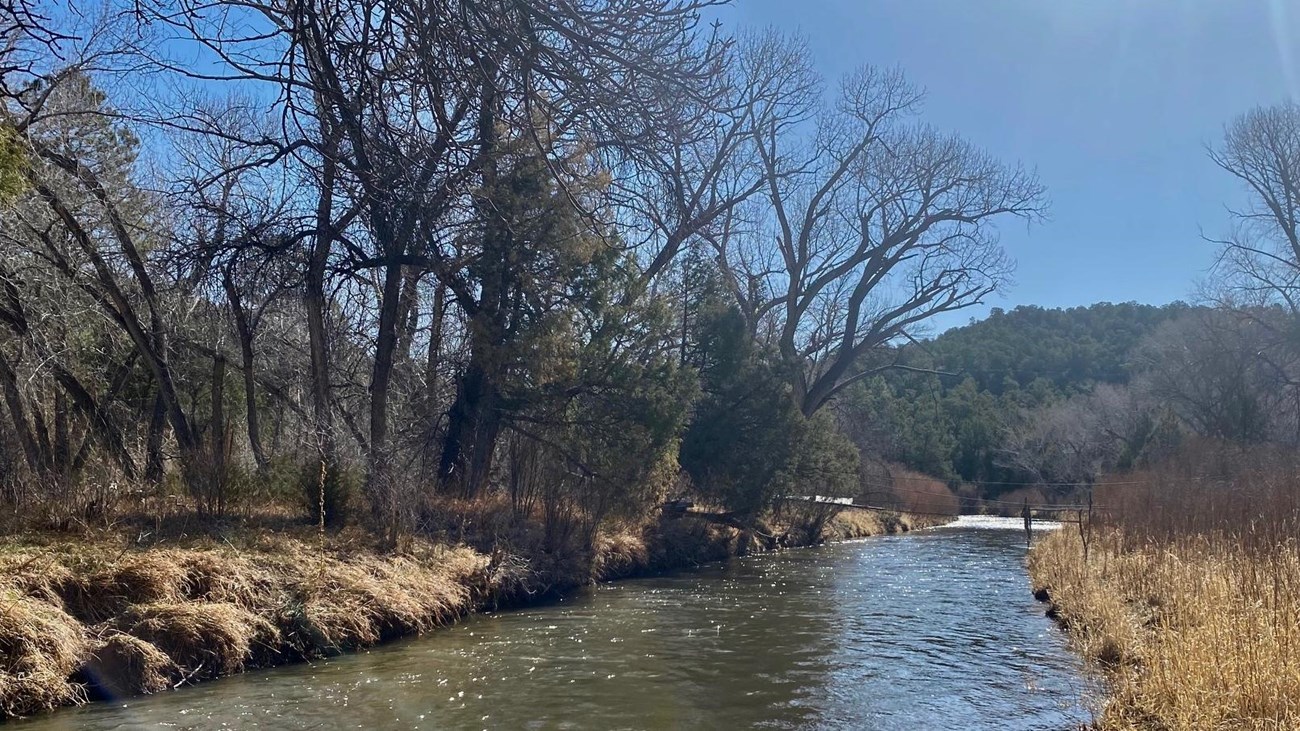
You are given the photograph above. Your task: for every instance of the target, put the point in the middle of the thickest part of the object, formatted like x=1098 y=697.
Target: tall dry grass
x=144 y=607
x=1190 y=596
x=906 y=491
x=98 y=616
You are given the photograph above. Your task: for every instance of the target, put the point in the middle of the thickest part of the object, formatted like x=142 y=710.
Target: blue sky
x=1112 y=101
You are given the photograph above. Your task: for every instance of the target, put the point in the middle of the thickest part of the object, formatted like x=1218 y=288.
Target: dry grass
x=97 y=615
x=103 y=615
x=88 y=617
x=620 y=553
x=204 y=639
x=919 y=493
x=1195 y=613
x=123 y=665
x=1195 y=634
x=850 y=524
x=40 y=648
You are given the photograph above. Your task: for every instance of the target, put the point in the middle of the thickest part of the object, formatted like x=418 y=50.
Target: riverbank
x=1192 y=632
x=109 y=615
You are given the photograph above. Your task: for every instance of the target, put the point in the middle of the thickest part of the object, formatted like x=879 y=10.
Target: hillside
x=1071 y=349
x=949 y=413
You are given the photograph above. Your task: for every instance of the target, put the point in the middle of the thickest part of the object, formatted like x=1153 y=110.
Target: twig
x=188 y=678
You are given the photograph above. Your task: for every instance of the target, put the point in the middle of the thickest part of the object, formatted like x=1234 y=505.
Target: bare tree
x=692 y=181
x=1258 y=268
x=27 y=36
x=1261 y=258
x=402 y=107
x=1213 y=369
x=867 y=231
x=86 y=232
x=241 y=234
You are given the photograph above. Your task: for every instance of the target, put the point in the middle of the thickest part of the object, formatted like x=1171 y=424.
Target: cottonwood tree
x=402 y=108
x=866 y=231
x=1258 y=269
x=1261 y=258
x=685 y=188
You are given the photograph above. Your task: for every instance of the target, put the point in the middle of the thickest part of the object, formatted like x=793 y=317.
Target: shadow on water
x=930 y=630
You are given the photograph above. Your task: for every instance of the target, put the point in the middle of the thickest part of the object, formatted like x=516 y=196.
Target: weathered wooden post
x=1029 y=523
x=1085 y=528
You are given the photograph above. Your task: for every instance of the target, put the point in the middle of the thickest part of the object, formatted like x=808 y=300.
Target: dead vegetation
x=1190 y=597
x=102 y=615
x=918 y=493
x=85 y=618
x=40 y=647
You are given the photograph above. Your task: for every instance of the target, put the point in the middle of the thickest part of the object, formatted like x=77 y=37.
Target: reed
x=1189 y=600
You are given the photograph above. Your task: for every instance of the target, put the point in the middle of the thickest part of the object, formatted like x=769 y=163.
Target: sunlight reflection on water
x=930 y=630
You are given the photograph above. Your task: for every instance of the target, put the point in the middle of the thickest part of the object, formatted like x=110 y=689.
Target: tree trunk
x=379 y=479
x=43 y=442
x=474 y=422
x=244 y=330
x=216 y=477
x=18 y=416
x=62 y=456
x=433 y=357
x=101 y=425
x=314 y=301
x=408 y=313
x=153 y=461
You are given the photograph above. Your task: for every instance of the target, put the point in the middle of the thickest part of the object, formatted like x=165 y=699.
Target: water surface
x=928 y=630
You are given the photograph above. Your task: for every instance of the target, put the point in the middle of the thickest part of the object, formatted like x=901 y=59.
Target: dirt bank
x=104 y=616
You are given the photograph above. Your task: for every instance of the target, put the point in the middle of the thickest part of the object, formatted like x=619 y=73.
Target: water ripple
x=933 y=630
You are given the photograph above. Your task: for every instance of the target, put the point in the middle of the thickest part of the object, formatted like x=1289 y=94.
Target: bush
x=326 y=489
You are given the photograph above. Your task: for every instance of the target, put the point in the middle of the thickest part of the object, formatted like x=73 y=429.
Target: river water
x=928 y=630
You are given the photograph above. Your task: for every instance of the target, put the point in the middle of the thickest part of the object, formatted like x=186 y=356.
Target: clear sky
x=1112 y=101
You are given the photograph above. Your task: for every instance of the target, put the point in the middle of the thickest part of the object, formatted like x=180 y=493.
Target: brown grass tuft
x=848 y=524
x=124 y=665
x=139 y=578
x=218 y=576
x=40 y=648
x=204 y=639
x=358 y=602
x=34 y=574
x=621 y=553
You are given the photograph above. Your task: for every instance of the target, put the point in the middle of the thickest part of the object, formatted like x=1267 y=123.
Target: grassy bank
x=1189 y=600
x=107 y=614
x=1196 y=635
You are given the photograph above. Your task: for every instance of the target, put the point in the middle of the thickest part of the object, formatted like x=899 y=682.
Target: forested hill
x=1069 y=348
x=971 y=393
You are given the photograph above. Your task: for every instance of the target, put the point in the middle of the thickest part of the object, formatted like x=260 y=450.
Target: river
x=929 y=630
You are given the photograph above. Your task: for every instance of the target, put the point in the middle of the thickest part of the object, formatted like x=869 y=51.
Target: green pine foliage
x=949 y=411
x=748 y=442
x=12 y=163
x=1071 y=349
